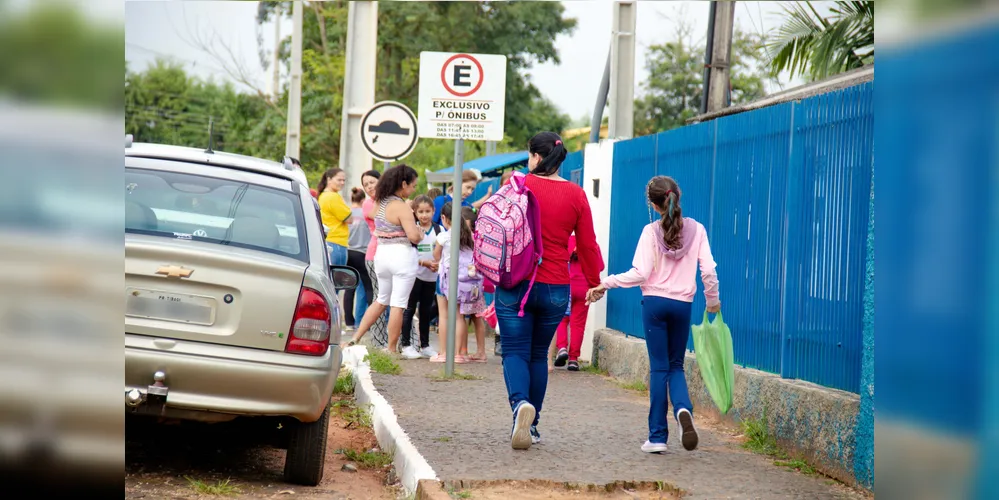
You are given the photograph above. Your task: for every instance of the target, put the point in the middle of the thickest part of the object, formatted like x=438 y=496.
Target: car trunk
x=232 y=296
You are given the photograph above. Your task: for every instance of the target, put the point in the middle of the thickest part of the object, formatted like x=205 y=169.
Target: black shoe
x=573 y=366
x=561 y=357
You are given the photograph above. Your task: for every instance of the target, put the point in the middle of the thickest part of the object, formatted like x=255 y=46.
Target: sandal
x=478 y=358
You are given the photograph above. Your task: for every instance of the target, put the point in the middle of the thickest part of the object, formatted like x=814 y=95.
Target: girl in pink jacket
x=665 y=267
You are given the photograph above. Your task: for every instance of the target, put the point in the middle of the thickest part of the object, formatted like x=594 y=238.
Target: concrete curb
x=410 y=466
x=809 y=421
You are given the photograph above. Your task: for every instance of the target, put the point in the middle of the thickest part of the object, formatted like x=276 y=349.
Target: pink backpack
x=508 y=237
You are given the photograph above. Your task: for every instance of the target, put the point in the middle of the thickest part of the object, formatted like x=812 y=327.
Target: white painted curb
x=410 y=465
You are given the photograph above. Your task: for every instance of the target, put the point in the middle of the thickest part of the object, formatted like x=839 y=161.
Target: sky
x=165 y=29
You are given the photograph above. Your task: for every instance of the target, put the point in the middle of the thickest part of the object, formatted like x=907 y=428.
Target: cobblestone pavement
x=591 y=430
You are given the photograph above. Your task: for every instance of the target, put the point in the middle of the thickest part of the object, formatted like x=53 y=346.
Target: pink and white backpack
x=508 y=237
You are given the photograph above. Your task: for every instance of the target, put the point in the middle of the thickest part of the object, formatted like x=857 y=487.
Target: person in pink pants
x=569 y=336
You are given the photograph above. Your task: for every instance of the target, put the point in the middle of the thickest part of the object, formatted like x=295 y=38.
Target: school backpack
x=469 y=279
x=508 y=237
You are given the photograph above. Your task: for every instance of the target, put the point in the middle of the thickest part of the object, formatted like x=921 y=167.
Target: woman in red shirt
x=564 y=210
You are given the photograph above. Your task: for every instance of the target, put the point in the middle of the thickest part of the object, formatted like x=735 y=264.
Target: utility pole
x=276 y=87
x=294 y=138
x=358 y=87
x=490 y=148
x=622 y=71
x=721 y=56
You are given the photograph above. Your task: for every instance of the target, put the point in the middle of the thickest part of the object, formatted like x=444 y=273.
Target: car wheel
x=306 y=456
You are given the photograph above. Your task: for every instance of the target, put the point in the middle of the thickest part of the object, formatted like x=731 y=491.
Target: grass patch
x=441 y=377
x=638 y=386
x=443 y=439
x=219 y=488
x=344 y=384
x=460 y=494
x=798 y=465
x=354 y=415
x=758 y=438
x=368 y=459
x=382 y=362
x=593 y=368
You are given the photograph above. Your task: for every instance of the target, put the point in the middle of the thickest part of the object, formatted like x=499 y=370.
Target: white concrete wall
x=598 y=164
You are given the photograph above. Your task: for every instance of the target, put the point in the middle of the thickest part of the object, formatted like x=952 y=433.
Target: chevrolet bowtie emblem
x=175 y=272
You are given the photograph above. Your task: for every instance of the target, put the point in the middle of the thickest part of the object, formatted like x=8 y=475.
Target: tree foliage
x=675 y=87
x=522 y=31
x=808 y=44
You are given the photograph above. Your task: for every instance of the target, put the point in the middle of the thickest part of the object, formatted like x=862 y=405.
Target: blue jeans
x=338 y=254
x=526 y=339
x=667 y=327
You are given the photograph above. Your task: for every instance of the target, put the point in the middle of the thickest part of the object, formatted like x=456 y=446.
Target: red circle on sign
x=444 y=76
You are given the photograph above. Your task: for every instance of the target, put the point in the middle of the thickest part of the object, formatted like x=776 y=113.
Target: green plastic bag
x=713 y=351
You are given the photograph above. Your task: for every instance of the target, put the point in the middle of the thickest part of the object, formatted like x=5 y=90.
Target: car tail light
x=310 y=330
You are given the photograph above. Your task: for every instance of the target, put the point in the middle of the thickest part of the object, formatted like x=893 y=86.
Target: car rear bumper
x=202 y=379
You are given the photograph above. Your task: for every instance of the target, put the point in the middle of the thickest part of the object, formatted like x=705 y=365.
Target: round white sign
x=388 y=131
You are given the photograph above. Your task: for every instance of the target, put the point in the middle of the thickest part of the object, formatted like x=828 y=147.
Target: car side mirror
x=344 y=278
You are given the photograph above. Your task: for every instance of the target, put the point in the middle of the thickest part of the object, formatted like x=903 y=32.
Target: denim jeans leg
x=678 y=326
x=656 y=342
x=518 y=333
x=550 y=302
x=338 y=254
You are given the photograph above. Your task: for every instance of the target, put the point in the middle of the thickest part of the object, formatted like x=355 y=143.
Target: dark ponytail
x=664 y=193
x=549 y=145
x=329 y=174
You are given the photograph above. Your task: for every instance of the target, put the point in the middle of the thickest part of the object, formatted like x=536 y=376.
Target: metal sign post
x=462 y=96
x=456 y=229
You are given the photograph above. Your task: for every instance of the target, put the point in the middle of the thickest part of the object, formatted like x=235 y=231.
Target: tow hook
x=156 y=394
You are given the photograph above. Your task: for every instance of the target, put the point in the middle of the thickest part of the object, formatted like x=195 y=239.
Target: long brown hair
x=467 y=219
x=664 y=193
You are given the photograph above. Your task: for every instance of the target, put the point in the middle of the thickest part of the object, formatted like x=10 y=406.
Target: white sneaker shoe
x=650 y=447
x=410 y=352
x=428 y=352
x=686 y=422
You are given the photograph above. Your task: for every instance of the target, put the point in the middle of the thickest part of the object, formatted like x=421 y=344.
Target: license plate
x=178 y=307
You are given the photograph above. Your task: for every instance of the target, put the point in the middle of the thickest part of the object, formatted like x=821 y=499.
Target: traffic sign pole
x=456 y=229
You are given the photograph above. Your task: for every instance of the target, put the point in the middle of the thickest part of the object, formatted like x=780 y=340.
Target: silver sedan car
x=231 y=302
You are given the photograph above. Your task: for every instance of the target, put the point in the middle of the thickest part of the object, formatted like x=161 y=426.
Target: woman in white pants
x=396 y=258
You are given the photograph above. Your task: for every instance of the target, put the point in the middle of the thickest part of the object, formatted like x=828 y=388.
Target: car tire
x=306 y=456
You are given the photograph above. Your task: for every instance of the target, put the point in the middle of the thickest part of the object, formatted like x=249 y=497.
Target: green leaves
x=809 y=45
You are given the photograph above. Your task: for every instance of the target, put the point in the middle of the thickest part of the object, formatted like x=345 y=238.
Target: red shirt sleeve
x=586 y=243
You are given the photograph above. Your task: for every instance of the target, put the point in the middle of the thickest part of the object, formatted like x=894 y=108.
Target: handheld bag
x=715 y=359
x=508 y=237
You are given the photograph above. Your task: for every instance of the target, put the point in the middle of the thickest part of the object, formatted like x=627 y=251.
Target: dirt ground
x=229 y=461
x=549 y=490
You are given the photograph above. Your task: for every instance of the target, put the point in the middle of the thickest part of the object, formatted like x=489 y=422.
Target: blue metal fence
x=784 y=193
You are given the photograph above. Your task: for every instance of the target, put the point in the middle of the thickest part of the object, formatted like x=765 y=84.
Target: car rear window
x=214 y=210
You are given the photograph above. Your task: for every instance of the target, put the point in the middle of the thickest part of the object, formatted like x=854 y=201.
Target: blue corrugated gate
x=784 y=192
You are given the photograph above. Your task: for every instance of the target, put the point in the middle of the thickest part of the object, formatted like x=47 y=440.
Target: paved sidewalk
x=591 y=429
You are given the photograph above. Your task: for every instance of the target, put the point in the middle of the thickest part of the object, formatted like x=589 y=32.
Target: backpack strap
x=534 y=222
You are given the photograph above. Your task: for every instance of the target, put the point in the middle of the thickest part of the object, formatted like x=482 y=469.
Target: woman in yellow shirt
x=335 y=213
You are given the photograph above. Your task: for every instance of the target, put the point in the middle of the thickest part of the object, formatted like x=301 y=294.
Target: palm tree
x=809 y=45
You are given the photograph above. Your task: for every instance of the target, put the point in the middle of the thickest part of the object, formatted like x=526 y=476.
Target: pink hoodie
x=672 y=274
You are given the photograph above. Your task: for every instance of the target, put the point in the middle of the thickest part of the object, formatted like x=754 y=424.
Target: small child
x=470 y=294
x=423 y=295
x=569 y=336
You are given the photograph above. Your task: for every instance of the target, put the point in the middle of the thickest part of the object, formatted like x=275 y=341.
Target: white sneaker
x=410 y=352
x=686 y=422
x=428 y=352
x=650 y=447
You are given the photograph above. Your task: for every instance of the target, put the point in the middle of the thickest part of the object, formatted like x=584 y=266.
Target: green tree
x=808 y=44
x=522 y=31
x=674 y=90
